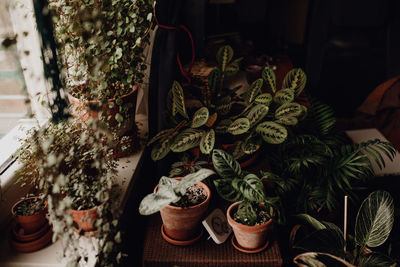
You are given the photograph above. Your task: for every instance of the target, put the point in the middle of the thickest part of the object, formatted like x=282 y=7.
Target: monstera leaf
x=264 y=99
x=254 y=90
x=224 y=56
x=239 y=126
x=207 y=142
x=269 y=78
x=288 y=110
x=295 y=80
x=257 y=113
x=187 y=139
x=272 y=132
x=251 y=187
x=178 y=100
x=226 y=191
x=200 y=117
x=374 y=219
x=284 y=96
x=160 y=150
x=225 y=165
x=214 y=80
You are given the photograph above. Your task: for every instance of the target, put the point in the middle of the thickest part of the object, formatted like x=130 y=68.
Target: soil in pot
x=30 y=214
x=194 y=195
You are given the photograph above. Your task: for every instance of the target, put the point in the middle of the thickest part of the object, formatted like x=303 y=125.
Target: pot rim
x=244 y=227
x=202 y=185
x=21 y=200
x=87 y=210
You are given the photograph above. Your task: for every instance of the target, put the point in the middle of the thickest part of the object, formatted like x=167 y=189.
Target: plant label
x=217 y=226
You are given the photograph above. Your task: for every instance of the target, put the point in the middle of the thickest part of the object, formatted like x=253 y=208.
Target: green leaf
x=119 y=118
x=288 y=110
x=251 y=187
x=207 y=142
x=160 y=150
x=231 y=69
x=272 y=132
x=295 y=80
x=254 y=90
x=317 y=225
x=284 y=96
x=289 y=121
x=374 y=259
x=225 y=165
x=222 y=126
x=239 y=126
x=160 y=135
x=269 y=78
x=178 y=100
x=214 y=80
x=200 y=117
x=318 y=259
x=226 y=191
x=374 y=219
x=192 y=179
x=264 y=99
x=247 y=213
x=251 y=144
x=224 y=56
x=224 y=105
x=257 y=113
x=187 y=139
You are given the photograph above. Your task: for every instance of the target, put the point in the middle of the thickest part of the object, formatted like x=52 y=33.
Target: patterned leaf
x=295 y=80
x=211 y=120
x=225 y=165
x=269 y=78
x=251 y=187
x=231 y=69
x=224 y=56
x=239 y=126
x=257 y=113
x=290 y=121
x=226 y=191
x=288 y=110
x=178 y=100
x=272 y=132
x=264 y=99
x=237 y=151
x=251 y=144
x=222 y=126
x=254 y=90
x=200 y=117
x=284 y=96
x=160 y=135
x=224 y=105
x=160 y=150
x=207 y=142
x=187 y=139
x=214 y=80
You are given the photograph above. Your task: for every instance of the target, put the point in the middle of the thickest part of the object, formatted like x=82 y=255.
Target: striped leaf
x=254 y=90
x=251 y=144
x=207 y=142
x=237 y=151
x=212 y=119
x=214 y=80
x=264 y=99
x=222 y=126
x=269 y=78
x=187 y=139
x=257 y=113
x=284 y=96
x=272 y=132
x=160 y=135
x=303 y=113
x=178 y=100
x=226 y=191
x=290 y=121
x=239 y=126
x=225 y=165
x=160 y=150
x=224 y=56
x=295 y=80
x=251 y=187
x=288 y=110
x=224 y=105
x=231 y=69
x=200 y=117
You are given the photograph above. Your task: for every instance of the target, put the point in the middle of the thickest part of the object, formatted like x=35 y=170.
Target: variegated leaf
x=251 y=187
x=178 y=100
x=225 y=165
x=231 y=69
x=160 y=150
x=224 y=56
x=222 y=126
x=224 y=106
x=254 y=90
x=187 y=139
x=272 y=132
x=226 y=191
x=284 y=96
x=290 y=121
x=214 y=80
x=237 y=151
x=264 y=99
x=207 y=142
x=160 y=135
x=303 y=113
x=239 y=126
x=288 y=110
x=269 y=78
x=200 y=117
x=212 y=119
x=251 y=144
x=257 y=113
x=295 y=80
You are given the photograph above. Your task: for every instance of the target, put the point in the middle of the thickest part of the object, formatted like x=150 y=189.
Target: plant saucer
x=179 y=242
x=247 y=250
x=33 y=245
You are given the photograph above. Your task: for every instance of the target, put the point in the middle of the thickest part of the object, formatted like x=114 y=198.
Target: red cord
x=188 y=74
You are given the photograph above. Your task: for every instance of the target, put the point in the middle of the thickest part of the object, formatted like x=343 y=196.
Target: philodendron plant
x=170 y=191
x=327 y=246
x=238 y=185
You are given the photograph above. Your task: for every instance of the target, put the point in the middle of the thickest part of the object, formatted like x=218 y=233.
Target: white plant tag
x=217 y=226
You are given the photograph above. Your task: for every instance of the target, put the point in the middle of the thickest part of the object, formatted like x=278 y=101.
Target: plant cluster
x=29 y=207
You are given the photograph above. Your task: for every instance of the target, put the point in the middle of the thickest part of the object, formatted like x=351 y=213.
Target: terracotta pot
x=31 y=223
x=248 y=237
x=184 y=223
x=91 y=109
x=86 y=218
x=33 y=245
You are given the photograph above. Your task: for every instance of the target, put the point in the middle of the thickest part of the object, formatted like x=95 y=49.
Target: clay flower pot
x=86 y=218
x=32 y=223
x=183 y=224
x=249 y=238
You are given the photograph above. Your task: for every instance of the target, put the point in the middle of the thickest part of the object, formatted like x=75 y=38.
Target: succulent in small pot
x=30 y=213
x=181 y=219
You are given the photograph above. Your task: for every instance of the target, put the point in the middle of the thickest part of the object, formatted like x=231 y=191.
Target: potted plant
x=182 y=203
x=250 y=216
x=327 y=245
x=187 y=164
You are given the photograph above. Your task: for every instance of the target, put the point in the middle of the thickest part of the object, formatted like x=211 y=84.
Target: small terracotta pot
x=86 y=218
x=31 y=223
x=248 y=237
x=184 y=223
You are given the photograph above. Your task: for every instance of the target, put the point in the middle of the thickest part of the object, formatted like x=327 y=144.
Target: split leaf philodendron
x=171 y=191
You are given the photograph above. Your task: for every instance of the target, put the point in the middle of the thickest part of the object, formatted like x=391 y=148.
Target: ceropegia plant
x=235 y=184
x=326 y=245
x=170 y=191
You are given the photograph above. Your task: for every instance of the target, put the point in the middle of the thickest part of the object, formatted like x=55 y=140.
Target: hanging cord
x=185 y=74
